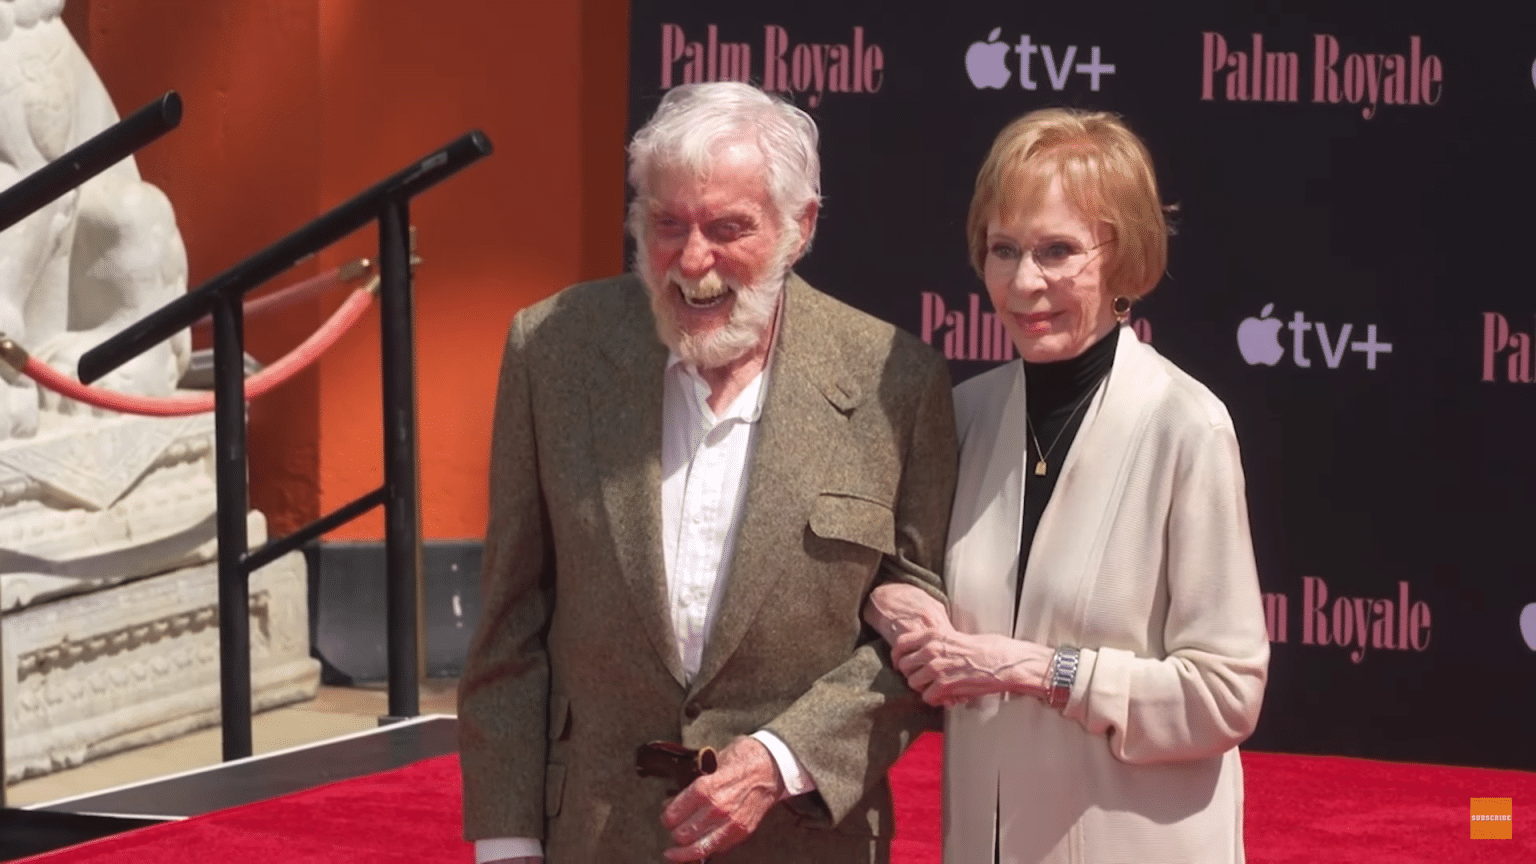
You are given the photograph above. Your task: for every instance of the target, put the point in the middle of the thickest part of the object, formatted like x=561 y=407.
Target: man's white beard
x=751 y=316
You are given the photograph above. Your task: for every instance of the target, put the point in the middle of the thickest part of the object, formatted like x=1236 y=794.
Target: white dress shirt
x=704 y=462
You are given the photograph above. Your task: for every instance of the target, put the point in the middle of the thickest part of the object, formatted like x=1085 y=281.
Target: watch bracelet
x=1063 y=673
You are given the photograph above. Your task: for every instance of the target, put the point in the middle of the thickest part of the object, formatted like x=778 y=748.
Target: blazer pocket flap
x=559 y=717
x=854 y=519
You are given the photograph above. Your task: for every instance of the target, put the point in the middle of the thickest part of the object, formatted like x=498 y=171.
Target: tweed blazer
x=1143 y=560
x=574 y=664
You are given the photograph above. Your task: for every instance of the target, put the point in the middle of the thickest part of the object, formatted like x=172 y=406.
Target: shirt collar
x=756 y=389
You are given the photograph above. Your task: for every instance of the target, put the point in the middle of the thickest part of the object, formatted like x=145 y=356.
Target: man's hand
x=949 y=667
x=719 y=810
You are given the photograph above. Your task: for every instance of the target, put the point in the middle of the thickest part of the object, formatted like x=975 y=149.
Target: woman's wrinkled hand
x=949 y=667
x=896 y=608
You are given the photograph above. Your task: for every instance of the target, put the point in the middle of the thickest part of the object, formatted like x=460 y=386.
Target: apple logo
x=984 y=62
x=1528 y=625
x=1259 y=338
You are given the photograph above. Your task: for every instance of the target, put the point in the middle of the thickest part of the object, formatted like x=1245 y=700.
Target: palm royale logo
x=1357 y=625
x=787 y=66
x=971 y=334
x=1513 y=347
x=1367 y=79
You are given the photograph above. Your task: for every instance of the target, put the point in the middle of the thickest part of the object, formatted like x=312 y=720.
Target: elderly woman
x=1104 y=650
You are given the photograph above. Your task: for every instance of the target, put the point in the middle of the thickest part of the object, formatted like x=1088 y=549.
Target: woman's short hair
x=1106 y=173
x=694 y=119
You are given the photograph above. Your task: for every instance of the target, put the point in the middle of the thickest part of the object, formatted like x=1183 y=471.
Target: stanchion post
x=402 y=502
x=230 y=474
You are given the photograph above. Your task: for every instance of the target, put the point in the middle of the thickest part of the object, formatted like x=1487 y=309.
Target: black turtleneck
x=1051 y=393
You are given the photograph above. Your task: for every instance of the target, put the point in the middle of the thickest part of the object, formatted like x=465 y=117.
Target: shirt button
x=692 y=711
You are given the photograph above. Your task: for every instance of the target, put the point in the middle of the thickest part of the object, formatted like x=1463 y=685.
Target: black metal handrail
x=61 y=176
x=342 y=220
x=105 y=149
x=221 y=298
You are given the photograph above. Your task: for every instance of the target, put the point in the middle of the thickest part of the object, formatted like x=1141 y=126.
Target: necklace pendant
x=1040 y=468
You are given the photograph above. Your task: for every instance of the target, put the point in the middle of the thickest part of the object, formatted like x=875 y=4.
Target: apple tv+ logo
x=1258 y=339
x=987 y=64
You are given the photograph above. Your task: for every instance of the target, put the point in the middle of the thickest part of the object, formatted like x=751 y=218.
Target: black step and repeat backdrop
x=1352 y=275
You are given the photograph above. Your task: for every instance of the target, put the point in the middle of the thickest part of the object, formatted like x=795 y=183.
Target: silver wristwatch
x=1063 y=672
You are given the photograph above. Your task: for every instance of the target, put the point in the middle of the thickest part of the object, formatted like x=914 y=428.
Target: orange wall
x=293 y=106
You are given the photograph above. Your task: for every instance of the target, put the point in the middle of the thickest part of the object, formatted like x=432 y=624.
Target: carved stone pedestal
x=107 y=577
x=138 y=663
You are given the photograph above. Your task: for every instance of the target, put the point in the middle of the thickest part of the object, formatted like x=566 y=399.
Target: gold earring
x=1121 y=307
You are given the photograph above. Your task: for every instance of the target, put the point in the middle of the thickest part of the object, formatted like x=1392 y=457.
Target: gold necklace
x=1040 y=466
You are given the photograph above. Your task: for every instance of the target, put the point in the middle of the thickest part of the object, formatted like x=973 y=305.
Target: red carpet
x=918 y=784
x=1300 y=809
x=408 y=816
x=1315 y=808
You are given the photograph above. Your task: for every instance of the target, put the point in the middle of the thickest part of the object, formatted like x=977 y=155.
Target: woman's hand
x=949 y=667
x=897 y=608
x=946 y=666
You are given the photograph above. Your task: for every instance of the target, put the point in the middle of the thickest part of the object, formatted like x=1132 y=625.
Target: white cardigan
x=1143 y=559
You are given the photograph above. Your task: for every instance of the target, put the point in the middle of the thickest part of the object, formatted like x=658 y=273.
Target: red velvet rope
x=175 y=406
x=300 y=290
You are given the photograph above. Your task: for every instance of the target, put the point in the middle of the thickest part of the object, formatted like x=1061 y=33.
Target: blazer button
x=692 y=711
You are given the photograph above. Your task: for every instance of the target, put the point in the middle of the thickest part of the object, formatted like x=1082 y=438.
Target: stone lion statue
x=97 y=259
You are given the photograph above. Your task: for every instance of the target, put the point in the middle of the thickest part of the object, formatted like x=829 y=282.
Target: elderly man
x=699 y=472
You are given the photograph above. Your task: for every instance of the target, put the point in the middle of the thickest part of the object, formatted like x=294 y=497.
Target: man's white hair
x=695 y=119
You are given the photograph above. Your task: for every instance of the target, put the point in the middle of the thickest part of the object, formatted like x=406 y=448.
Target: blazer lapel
x=805 y=411
x=1070 y=540
x=626 y=401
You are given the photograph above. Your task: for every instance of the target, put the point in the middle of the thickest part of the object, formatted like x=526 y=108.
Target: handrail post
x=233 y=502
x=402 y=479
x=386 y=202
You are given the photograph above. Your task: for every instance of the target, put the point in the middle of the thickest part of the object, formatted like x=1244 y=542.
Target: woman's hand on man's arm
x=946 y=666
x=897 y=608
x=949 y=667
